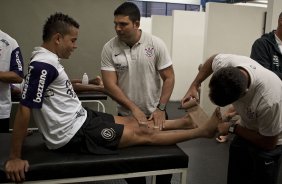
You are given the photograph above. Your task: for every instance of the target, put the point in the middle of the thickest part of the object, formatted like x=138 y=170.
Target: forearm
x=204 y=72
x=117 y=94
x=110 y=81
x=88 y=87
x=264 y=142
x=19 y=131
x=167 y=89
x=10 y=77
x=74 y=81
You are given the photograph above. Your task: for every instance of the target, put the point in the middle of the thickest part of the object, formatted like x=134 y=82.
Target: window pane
x=142 y=7
x=157 y=8
x=173 y=6
x=148 y=8
x=192 y=7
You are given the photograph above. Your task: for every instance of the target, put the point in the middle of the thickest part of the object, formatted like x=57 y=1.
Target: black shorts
x=99 y=134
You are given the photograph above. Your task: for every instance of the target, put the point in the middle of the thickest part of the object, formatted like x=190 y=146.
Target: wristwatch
x=232 y=128
x=161 y=106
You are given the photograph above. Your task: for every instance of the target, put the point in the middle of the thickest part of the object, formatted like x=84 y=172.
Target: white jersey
x=260 y=109
x=137 y=69
x=10 y=60
x=56 y=108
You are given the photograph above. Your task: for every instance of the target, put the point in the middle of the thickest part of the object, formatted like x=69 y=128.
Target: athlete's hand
x=158 y=117
x=140 y=117
x=15 y=169
x=192 y=93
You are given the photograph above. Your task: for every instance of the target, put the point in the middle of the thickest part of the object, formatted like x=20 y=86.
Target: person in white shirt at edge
x=256 y=94
x=67 y=126
x=11 y=71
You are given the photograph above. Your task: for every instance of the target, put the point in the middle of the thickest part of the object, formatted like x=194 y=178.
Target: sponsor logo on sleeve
x=30 y=68
x=40 y=88
x=20 y=67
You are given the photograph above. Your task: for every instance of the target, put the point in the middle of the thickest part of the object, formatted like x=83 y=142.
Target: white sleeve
x=225 y=60
x=106 y=58
x=163 y=57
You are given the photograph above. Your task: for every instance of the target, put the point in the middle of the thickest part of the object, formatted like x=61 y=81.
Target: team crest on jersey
x=149 y=51
x=108 y=134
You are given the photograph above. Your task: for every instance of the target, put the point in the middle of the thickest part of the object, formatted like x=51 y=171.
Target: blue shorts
x=99 y=134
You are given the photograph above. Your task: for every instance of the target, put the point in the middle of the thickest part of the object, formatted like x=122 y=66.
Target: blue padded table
x=47 y=166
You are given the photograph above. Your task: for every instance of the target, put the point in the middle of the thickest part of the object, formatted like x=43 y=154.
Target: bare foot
x=197 y=115
x=189 y=104
x=210 y=127
x=97 y=81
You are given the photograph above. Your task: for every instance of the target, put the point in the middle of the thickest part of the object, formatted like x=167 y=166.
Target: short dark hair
x=128 y=9
x=280 y=16
x=227 y=85
x=58 y=23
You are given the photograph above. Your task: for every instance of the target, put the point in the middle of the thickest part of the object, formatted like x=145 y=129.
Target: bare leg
x=181 y=123
x=146 y=136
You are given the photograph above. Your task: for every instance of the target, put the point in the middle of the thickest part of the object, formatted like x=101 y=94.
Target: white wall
x=146 y=24
x=229 y=29
x=96 y=28
x=183 y=33
x=274 y=8
x=187 y=49
x=162 y=27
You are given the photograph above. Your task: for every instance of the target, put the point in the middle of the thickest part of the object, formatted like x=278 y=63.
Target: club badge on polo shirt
x=149 y=51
